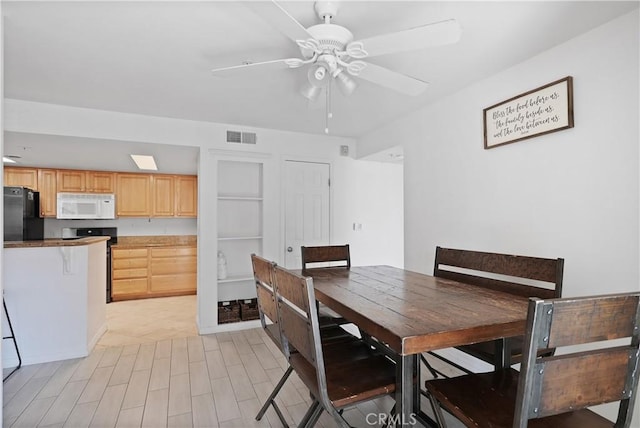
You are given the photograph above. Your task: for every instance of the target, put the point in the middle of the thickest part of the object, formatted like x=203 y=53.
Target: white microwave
x=86 y=206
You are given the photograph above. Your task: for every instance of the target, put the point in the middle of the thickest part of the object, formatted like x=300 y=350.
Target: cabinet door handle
x=289 y=249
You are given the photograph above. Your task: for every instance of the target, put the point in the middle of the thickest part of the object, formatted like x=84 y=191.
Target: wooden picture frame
x=540 y=111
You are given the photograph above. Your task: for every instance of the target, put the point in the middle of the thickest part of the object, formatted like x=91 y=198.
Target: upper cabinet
x=137 y=194
x=23 y=177
x=100 y=181
x=47 y=185
x=85 y=181
x=186 y=188
x=70 y=181
x=133 y=195
x=164 y=200
x=156 y=195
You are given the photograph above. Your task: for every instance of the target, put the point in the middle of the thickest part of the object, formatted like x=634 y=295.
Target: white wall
x=571 y=194
x=372 y=197
x=362 y=191
x=127 y=226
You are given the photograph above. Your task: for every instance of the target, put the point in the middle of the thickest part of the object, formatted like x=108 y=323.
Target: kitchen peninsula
x=55 y=295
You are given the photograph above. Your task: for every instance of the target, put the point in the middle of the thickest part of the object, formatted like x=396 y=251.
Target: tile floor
x=152 y=370
x=149 y=320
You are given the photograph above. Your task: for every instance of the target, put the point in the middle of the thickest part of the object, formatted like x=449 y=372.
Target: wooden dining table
x=412 y=313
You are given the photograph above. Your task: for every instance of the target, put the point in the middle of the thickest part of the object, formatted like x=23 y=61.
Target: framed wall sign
x=540 y=111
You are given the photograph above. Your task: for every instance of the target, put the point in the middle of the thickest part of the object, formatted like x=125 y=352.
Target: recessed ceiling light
x=7 y=160
x=145 y=162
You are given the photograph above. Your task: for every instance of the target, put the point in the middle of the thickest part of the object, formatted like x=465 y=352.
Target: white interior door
x=307 y=208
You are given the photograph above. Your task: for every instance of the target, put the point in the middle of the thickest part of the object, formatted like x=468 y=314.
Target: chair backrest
x=298 y=320
x=328 y=253
x=579 y=379
x=263 y=276
x=481 y=268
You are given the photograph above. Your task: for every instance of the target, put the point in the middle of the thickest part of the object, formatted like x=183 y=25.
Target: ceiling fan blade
x=392 y=80
x=278 y=17
x=264 y=65
x=435 y=34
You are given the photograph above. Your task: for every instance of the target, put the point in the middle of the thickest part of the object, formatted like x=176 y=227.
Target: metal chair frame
x=263 y=276
x=550 y=385
x=15 y=343
x=302 y=307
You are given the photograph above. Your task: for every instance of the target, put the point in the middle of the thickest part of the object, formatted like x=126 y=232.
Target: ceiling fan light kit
x=334 y=56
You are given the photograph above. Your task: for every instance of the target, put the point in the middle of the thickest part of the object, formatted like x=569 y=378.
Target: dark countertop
x=155 y=241
x=56 y=242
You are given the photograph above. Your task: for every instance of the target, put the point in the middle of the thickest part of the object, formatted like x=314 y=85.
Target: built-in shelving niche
x=240 y=223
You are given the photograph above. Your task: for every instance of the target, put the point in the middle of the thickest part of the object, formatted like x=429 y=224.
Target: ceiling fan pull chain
x=328 y=107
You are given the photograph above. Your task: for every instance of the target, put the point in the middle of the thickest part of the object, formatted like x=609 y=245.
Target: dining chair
x=337 y=375
x=326 y=256
x=520 y=275
x=268 y=312
x=554 y=391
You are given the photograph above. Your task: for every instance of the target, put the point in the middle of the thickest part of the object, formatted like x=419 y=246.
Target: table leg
x=407 y=391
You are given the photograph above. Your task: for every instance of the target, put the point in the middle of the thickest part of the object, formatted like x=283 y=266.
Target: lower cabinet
x=173 y=270
x=153 y=272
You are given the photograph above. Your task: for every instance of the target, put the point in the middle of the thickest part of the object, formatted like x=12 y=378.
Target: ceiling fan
x=331 y=54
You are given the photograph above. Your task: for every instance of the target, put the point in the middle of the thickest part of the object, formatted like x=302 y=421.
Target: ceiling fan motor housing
x=331 y=37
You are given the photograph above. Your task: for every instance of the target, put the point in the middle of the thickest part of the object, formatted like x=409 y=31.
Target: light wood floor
x=152 y=370
x=149 y=320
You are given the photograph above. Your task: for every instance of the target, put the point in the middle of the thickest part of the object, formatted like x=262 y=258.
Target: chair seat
x=487 y=400
x=329 y=334
x=327 y=316
x=354 y=373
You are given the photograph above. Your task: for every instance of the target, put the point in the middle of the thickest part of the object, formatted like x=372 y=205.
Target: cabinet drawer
x=173 y=252
x=178 y=282
x=177 y=265
x=130 y=263
x=130 y=273
x=130 y=253
x=129 y=286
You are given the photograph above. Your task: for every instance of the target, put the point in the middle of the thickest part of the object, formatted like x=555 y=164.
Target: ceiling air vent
x=234 y=137
x=249 y=138
x=241 y=137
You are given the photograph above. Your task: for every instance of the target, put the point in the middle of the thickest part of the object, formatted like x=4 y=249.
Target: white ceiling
x=154 y=58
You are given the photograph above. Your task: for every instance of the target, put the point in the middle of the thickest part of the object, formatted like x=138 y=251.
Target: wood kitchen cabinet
x=137 y=194
x=133 y=195
x=24 y=177
x=173 y=270
x=153 y=272
x=175 y=196
x=164 y=199
x=100 y=181
x=186 y=188
x=75 y=181
x=47 y=184
x=70 y=180
x=130 y=275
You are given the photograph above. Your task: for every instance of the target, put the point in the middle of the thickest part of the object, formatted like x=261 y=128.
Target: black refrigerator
x=22 y=221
